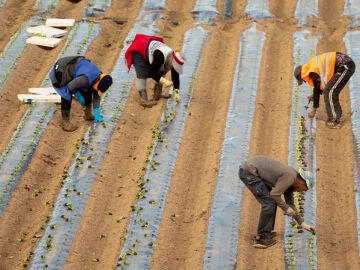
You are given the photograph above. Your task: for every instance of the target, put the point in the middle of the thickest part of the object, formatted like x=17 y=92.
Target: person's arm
x=316 y=90
x=158 y=61
x=96 y=99
x=289 y=199
x=78 y=83
x=283 y=186
x=315 y=97
x=175 y=78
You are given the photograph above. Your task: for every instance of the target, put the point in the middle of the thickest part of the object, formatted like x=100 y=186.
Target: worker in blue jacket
x=78 y=76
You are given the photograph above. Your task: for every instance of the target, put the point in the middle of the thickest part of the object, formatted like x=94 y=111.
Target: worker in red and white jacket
x=152 y=58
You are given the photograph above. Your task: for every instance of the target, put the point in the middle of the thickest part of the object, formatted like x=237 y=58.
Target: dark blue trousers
x=261 y=193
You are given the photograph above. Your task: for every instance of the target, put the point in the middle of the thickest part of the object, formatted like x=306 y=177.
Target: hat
x=297 y=75
x=103 y=83
x=308 y=177
x=178 y=61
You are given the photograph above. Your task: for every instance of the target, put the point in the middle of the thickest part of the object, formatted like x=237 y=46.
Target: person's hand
x=308 y=228
x=166 y=82
x=310 y=98
x=80 y=97
x=312 y=113
x=97 y=116
x=177 y=95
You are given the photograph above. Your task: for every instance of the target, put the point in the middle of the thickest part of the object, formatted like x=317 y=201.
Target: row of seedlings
x=14 y=160
x=147 y=212
x=222 y=239
x=144 y=224
x=300 y=247
x=77 y=43
x=78 y=180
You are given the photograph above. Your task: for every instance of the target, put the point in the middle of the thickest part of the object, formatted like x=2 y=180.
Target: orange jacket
x=323 y=65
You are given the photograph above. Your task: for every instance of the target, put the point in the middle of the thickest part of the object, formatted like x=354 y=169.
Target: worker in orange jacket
x=327 y=73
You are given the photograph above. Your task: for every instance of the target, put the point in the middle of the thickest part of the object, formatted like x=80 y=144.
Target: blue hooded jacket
x=84 y=67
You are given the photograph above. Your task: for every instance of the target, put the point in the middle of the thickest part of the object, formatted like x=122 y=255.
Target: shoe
x=158 y=92
x=144 y=101
x=88 y=113
x=272 y=235
x=68 y=126
x=333 y=124
x=65 y=123
x=262 y=242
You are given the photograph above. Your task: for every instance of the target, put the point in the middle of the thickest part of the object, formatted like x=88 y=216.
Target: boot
x=65 y=122
x=144 y=101
x=88 y=113
x=158 y=92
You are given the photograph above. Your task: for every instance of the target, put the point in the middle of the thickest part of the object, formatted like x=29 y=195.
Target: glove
x=165 y=82
x=308 y=228
x=290 y=212
x=98 y=117
x=79 y=97
x=177 y=95
x=310 y=98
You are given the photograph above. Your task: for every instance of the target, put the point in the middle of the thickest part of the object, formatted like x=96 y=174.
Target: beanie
x=103 y=84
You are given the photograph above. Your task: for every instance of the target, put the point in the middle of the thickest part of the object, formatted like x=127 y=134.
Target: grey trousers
x=261 y=193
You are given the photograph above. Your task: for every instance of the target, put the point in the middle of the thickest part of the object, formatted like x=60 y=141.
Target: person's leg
x=332 y=91
x=142 y=69
x=158 y=92
x=65 y=115
x=262 y=195
x=87 y=107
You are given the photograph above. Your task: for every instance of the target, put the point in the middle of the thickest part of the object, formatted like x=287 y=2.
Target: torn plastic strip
x=96 y=8
x=228 y=8
x=352 y=9
x=258 y=9
x=306 y=9
x=222 y=238
x=164 y=154
x=300 y=248
x=205 y=12
x=352 y=43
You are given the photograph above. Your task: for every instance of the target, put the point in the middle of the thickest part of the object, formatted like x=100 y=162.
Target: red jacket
x=139 y=45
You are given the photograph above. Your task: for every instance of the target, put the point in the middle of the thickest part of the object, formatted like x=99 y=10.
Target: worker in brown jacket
x=327 y=73
x=268 y=180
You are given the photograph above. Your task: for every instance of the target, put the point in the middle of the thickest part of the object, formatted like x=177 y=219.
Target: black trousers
x=333 y=89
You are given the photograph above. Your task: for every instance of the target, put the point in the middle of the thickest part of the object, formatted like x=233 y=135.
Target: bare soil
x=181 y=242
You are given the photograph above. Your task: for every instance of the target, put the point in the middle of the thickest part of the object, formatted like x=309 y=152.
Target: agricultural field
x=158 y=188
